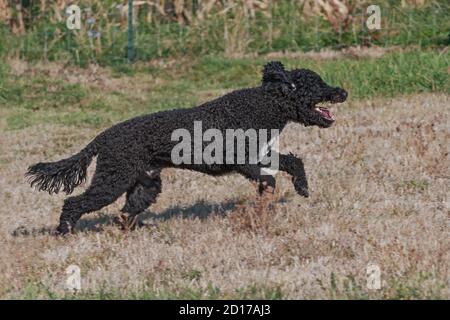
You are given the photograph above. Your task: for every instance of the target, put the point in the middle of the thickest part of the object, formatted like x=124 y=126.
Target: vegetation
x=378 y=182
x=232 y=28
x=378 y=178
x=37 y=98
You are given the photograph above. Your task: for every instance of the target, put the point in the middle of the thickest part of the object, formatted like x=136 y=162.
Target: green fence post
x=130 y=46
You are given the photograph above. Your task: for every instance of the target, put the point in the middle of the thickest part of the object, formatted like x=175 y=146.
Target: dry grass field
x=379 y=185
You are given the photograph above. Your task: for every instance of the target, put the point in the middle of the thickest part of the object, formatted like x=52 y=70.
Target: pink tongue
x=326 y=112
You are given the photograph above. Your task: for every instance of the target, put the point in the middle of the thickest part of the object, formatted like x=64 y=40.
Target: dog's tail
x=67 y=173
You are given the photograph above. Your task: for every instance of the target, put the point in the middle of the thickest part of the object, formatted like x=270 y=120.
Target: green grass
x=285 y=29
x=398 y=73
x=337 y=288
x=38 y=99
x=39 y=291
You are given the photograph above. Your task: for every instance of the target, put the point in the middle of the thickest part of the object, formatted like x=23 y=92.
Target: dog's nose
x=340 y=95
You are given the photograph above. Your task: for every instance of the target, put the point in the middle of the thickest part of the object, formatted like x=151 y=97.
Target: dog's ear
x=276 y=79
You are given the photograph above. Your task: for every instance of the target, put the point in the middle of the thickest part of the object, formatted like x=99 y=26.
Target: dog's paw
x=301 y=187
x=126 y=222
x=63 y=229
x=266 y=183
x=60 y=232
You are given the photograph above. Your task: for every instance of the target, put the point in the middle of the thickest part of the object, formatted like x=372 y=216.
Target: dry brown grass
x=358 y=52
x=379 y=183
x=93 y=76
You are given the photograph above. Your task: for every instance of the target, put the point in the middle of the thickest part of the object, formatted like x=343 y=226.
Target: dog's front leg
x=294 y=166
x=253 y=172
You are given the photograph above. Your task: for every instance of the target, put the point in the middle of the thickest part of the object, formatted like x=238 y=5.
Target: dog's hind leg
x=139 y=197
x=254 y=173
x=108 y=184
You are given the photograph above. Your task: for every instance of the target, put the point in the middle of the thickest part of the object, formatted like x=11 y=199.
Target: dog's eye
x=293 y=86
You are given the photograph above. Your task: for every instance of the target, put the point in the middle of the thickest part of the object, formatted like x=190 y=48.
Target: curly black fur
x=67 y=173
x=132 y=153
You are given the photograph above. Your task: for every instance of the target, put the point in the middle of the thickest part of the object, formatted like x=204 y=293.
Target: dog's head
x=305 y=91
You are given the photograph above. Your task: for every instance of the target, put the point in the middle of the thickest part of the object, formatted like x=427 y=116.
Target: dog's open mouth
x=325 y=113
x=323 y=108
x=320 y=109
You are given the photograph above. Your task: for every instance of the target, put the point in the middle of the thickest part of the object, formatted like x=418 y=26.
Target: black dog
x=131 y=154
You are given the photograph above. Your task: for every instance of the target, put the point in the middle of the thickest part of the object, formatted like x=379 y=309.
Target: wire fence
x=112 y=38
